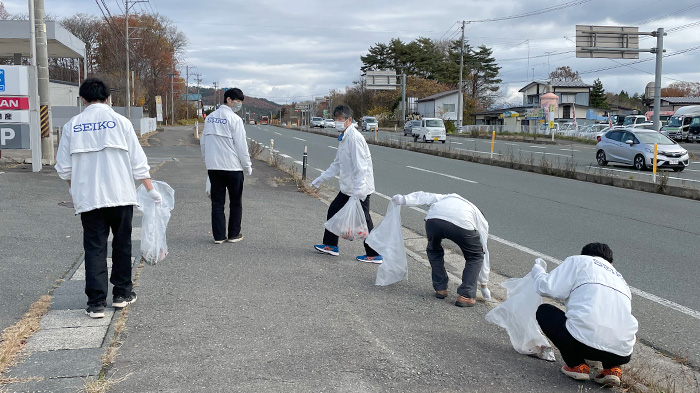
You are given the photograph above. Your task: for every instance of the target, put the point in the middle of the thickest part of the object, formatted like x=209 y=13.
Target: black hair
x=94 y=90
x=342 y=110
x=598 y=250
x=233 y=94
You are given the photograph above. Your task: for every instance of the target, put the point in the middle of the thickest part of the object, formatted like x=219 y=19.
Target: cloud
x=295 y=50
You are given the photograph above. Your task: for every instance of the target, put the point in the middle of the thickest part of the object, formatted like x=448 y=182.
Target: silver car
x=408 y=127
x=634 y=146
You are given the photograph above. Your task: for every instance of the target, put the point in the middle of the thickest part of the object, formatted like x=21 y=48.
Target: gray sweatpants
x=470 y=244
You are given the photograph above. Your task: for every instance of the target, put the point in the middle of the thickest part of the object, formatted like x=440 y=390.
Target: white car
x=317 y=122
x=328 y=123
x=370 y=124
x=430 y=130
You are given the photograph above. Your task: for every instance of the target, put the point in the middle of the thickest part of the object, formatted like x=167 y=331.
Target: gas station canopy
x=14 y=38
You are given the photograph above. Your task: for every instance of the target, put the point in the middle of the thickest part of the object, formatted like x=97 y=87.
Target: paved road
x=654 y=236
x=582 y=154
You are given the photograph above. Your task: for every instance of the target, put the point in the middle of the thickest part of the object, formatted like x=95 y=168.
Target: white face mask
x=340 y=126
x=237 y=106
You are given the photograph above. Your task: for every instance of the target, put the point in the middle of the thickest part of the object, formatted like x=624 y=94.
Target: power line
x=669 y=14
x=533 y=13
x=448 y=30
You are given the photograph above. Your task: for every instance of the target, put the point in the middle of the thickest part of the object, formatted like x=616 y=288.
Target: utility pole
x=216 y=96
x=187 y=91
x=198 y=79
x=127 y=5
x=172 y=94
x=460 y=100
x=35 y=137
x=657 y=78
x=42 y=62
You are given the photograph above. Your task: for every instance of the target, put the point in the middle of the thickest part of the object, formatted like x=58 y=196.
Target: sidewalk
x=271 y=314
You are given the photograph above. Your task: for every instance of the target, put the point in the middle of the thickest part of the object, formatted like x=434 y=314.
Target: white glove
x=155 y=195
x=398 y=199
x=537 y=271
x=358 y=194
x=485 y=293
x=249 y=170
x=317 y=182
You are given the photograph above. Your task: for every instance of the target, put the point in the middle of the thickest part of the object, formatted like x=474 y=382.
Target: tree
x=86 y=28
x=4 y=15
x=598 y=95
x=482 y=75
x=681 y=89
x=565 y=74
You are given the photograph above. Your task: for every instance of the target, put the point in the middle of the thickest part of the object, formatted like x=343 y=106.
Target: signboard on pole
x=381 y=80
x=159 y=108
x=14 y=80
x=607 y=42
x=14 y=136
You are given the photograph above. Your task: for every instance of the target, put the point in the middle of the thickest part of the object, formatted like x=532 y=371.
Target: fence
x=539 y=130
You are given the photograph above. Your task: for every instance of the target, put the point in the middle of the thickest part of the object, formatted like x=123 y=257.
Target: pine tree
x=598 y=95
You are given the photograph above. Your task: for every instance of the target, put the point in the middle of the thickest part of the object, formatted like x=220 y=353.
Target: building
x=573 y=96
x=442 y=105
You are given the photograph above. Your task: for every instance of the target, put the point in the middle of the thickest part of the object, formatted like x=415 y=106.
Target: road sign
x=2 y=80
x=381 y=80
x=14 y=80
x=159 y=108
x=608 y=42
x=14 y=136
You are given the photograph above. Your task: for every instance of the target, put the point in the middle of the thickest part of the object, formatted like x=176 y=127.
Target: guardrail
x=531 y=130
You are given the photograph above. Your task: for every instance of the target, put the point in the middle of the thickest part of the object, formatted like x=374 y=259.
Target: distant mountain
x=257 y=107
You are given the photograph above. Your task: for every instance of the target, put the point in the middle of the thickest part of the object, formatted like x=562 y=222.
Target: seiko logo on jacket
x=102 y=125
x=216 y=120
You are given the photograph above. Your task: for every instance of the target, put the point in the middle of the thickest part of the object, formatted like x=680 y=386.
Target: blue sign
x=2 y=80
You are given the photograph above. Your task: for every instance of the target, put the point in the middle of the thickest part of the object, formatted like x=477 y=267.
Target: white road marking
x=656 y=299
x=333 y=147
x=277 y=133
x=285 y=156
x=1 y=173
x=511 y=144
x=478 y=151
x=299 y=139
x=538 y=147
x=442 y=174
x=568 y=150
x=299 y=162
x=541 y=152
x=457 y=143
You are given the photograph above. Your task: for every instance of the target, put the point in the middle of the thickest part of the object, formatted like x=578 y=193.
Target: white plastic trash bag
x=349 y=222
x=517 y=316
x=154 y=246
x=387 y=240
x=207 y=187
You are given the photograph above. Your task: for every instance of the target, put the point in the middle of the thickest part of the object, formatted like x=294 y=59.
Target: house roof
x=557 y=83
x=682 y=100
x=438 y=95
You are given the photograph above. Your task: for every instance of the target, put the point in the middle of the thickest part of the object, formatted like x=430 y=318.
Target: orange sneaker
x=609 y=377
x=579 y=373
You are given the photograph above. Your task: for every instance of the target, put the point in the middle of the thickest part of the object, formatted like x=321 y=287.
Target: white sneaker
x=485 y=293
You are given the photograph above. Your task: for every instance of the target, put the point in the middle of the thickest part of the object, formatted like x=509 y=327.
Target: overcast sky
x=292 y=50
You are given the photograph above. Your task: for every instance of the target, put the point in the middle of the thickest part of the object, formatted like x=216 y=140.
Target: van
x=679 y=123
x=430 y=130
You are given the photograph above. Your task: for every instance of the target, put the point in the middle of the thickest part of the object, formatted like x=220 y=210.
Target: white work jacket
x=459 y=211
x=352 y=164
x=100 y=154
x=598 y=302
x=223 y=143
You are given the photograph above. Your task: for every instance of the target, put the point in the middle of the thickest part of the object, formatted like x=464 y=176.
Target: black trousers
x=96 y=226
x=329 y=238
x=468 y=241
x=220 y=182
x=552 y=321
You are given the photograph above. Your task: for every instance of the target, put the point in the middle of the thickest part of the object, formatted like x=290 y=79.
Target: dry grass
x=101 y=384
x=255 y=148
x=14 y=338
x=639 y=379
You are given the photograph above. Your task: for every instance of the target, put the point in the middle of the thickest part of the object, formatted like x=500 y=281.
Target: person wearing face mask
x=225 y=153
x=353 y=166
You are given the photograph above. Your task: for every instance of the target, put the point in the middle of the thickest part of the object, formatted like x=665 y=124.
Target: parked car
x=694 y=130
x=634 y=119
x=370 y=124
x=430 y=130
x=544 y=128
x=408 y=127
x=251 y=122
x=317 y=122
x=634 y=146
x=645 y=126
x=328 y=123
x=679 y=123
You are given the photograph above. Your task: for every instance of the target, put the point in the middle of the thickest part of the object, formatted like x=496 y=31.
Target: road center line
x=457 y=143
x=333 y=147
x=537 y=147
x=299 y=139
x=277 y=133
x=442 y=174
x=656 y=299
x=541 y=152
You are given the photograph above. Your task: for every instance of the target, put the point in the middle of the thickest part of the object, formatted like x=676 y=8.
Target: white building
x=441 y=105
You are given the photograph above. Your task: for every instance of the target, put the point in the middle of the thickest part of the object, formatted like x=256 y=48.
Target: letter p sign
x=6 y=134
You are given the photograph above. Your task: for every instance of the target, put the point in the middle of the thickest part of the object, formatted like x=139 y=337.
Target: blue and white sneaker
x=324 y=249
x=376 y=260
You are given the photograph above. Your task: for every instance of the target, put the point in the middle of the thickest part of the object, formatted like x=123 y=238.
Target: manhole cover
x=66 y=204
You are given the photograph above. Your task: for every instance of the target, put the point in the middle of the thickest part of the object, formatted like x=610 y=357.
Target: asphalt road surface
x=654 y=237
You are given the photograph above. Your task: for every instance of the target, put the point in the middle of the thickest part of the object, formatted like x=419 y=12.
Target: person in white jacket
x=225 y=153
x=353 y=166
x=100 y=156
x=598 y=323
x=454 y=218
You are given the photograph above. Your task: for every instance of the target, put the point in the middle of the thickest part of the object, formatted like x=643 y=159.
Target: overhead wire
x=533 y=13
